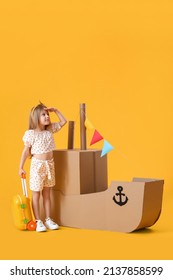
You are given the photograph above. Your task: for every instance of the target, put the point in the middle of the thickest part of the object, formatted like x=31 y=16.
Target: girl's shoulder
x=28 y=137
x=29 y=132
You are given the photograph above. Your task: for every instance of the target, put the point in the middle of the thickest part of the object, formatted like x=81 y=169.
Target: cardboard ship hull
x=140 y=207
x=81 y=198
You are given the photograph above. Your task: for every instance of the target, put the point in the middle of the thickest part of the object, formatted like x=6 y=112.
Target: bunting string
x=107 y=147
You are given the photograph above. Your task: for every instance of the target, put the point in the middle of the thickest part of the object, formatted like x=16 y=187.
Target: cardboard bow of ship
x=81 y=197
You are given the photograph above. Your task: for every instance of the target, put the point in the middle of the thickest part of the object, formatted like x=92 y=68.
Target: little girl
x=39 y=144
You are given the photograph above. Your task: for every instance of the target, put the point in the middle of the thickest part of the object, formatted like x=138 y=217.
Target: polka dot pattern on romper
x=42 y=174
x=41 y=141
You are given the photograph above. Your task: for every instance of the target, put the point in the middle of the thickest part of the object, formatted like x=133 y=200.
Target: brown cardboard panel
x=86 y=172
x=101 y=173
x=123 y=207
x=80 y=171
x=153 y=200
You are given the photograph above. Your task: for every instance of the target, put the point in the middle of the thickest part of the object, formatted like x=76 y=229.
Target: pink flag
x=96 y=137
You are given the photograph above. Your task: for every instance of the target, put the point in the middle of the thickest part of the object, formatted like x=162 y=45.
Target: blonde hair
x=35 y=115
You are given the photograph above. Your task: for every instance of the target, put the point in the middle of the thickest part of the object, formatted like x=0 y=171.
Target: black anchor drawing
x=121 y=195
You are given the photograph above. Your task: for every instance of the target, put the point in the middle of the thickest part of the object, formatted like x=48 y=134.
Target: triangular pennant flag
x=107 y=147
x=88 y=124
x=96 y=137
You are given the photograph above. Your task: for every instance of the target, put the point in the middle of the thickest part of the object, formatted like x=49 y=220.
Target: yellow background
x=117 y=57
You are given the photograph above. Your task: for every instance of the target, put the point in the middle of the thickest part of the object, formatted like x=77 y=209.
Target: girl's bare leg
x=46 y=201
x=35 y=204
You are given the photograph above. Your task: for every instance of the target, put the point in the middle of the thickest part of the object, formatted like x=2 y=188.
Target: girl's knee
x=35 y=195
x=46 y=193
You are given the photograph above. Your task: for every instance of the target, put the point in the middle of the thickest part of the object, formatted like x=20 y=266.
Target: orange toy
x=31 y=225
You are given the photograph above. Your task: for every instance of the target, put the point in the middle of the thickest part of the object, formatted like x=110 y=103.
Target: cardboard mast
x=83 y=145
x=70 y=135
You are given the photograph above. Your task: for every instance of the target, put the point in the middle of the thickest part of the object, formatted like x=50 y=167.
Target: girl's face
x=44 y=118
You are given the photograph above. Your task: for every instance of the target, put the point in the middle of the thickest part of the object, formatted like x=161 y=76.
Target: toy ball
x=31 y=225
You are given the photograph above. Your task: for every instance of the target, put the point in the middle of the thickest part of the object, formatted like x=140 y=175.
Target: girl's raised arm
x=61 y=117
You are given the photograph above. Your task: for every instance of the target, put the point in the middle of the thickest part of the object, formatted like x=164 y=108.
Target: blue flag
x=107 y=147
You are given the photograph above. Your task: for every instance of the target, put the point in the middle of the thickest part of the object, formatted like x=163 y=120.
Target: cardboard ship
x=81 y=197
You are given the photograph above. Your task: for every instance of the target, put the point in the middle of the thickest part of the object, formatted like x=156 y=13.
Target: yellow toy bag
x=21 y=209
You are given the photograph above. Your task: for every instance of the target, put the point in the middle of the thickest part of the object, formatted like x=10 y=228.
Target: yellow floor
x=69 y=243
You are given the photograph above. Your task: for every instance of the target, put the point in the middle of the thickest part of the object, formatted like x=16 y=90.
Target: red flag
x=96 y=137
